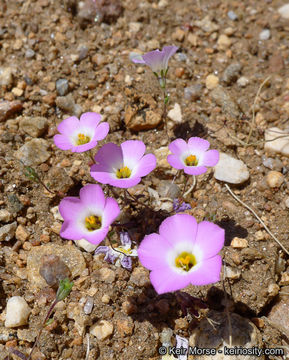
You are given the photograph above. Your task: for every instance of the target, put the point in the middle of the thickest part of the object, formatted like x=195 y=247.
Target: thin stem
x=136 y=200
x=192 y=187
x=258 y=218
x=226 y=306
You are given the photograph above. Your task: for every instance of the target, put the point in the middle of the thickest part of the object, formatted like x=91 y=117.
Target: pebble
x=233 y=273
x=274 y=179
x=68 y=104
x=224 y=42
x=6 y=76
x=239 y=243
x=53 y=269
x=165 y=188
x=179 y=35
x=193 y=39
x=34 y=126
x=280 y=145
x=21 y=233
x=105 y=299
x=232 y=15
x=145 y=120
x=284 y=11
x=101 y=330
x=242 y=81
x=207 y=25
x=140 y=277
x=231 y=170
x=193 y=92
x=107 y=275
x=62 y=87
x=231 y=73
x=34 y=152
x=273 y=290
x=7 y=232
x=134 y=26
x=88 y=306
x=265 y=34
x=212 y=81
x=287 y=202
x=244 y=332
x=279 y=314
x=85 y=245
x=273 y=164
x=8 y=108
x=29 y=54
x=17 y=312
x=161 y=155
x=284 y=279
x=5 y=216
x=68 y=254
x=223 y=99
x=125 y=326
x=175 y=114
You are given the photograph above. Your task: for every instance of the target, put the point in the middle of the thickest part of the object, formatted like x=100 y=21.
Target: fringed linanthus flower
x=193 y=157
x=180 y=206
x=120 y=255
x=81 y=135
x=183 y=253
x=89 y=216
x=122 y=166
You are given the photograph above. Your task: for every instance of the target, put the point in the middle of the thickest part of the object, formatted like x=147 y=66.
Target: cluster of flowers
x=183 y=252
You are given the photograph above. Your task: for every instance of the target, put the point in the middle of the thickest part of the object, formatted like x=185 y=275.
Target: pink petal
x=125 y=183
x=154 y=59
x=195 y=170
x=166 y=280
x=62 y=142
x=103 y=177
x=84 y=147
x=71 y=231
x=68 y=126
x=208 y=272
x=109 y=156
x=152 y=251
x=168 y=51
x=96 y=237
x=92 y=194
x=178 y=146
x=101 y=131
x=198 y=145
x=132 y=151
x=179 y=228
x=110 y=212
x=70 y=207
x=175 y=162
x=210 y=158
x=90 y=119
x=210 y=238
x=146 y=165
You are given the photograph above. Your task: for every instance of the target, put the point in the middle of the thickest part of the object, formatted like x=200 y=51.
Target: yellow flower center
x=124 y=251
x=191 y=160
x=93 y=222
x=82 y=139
x=186 y=261
x=123 y=173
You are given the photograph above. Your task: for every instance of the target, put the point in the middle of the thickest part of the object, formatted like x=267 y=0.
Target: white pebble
x=102 y=330
x=231 y=170
x=85 y=245
x=175 y=114
x=284 y=11
x=280 y=145
x=265 y=34
x=243 y=81
x=17 y=312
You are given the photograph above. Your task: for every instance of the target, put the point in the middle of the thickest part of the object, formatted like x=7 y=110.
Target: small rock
x=107 y=275
x=62 y=87
x=17 y=312
x=125 y=326
x=231 y=73
x=212 y=81
x=7 y=232
x=35 y=126
x=165 y=188
x=207 y=25
x=105 y=299
x=274 y=179
x=161 y=155
x=233 y=273
x=99 y=11
x=53 y=270
x=34 y=152
x=175 y=114
x=101 y=330
x=224 y=42
x=239 y=243
x=6 y=76
x=28 y=335
x=273 y=290
x=231 y=170
x=88 y=305
x=287 y=202
x=85 y=245
x=193 y=92
x=284 y=11
x=143 y=120
x=284 y=279
x=17 y=92
x=29 y=54
x=8 y=108
x=68 y=254
x=232 y=15
x=242 y=81
x=134 y=26
x=179 y=35
x=140 y=277
x=21 y=233
x=68 y=104
x=193 y=39
x=273 y=164
x=14 y=204
x=265 y=34
x=223 y=99
x=5 y=216
x=56 y=214
x=280 y=145
x=259 y=235
x=276 y=62
x=279 y=315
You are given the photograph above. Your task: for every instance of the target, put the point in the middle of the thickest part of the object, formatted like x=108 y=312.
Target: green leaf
x=48 y=322
x=31 y=174
x=64 y=289
x=167 y=99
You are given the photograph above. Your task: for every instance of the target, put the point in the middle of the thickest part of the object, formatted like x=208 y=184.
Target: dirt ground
x=42 y=41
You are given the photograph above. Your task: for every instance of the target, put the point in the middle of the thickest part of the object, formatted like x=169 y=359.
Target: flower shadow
x=231 y=230
x=185 y=131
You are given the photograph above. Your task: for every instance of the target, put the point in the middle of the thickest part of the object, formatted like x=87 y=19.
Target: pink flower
x=89 y=216
x=81 y=135
x=157 y=60
x=192 y=157
x=122 y=166
x=183 y=253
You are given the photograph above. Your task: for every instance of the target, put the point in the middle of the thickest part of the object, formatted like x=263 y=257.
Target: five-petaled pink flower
x=89 y=216
x=81 y=135
x=183 y=253
x=122 y=166
x=157 y=60
x=193 y=157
